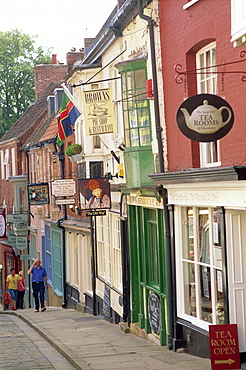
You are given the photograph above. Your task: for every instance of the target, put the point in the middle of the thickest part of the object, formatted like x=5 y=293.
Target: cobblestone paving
x=22 y=348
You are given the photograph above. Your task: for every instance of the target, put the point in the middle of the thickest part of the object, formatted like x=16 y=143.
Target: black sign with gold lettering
x=205 y=117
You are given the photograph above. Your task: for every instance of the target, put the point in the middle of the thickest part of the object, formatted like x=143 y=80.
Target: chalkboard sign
x=154 y=313
x=106 y=301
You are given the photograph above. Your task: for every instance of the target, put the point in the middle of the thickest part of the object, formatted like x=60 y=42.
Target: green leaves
x=18 y=56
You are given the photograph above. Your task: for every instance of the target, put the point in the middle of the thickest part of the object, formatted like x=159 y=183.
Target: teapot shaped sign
x=205 y=117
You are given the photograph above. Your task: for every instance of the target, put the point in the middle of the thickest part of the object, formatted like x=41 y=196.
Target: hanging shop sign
x=38 y=193
x=63 y=187
x=2 y=223
x=205 y=117
x=21 y=242
x=17 y=218
x=98 y=112
x=224 y=349
x=11 y=237
x=94 y=194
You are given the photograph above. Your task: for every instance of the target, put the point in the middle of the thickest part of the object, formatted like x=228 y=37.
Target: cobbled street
x=22 y=348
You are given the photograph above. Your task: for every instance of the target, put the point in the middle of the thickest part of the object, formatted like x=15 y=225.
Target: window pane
x=134 y=137
x=203 y=236
x=129 y=80
x=205 y=294
x=144 y=136
x=140 y=79
x=189 y=289
x=188 y=233
x=220 y=304
x=217 y=249
x=127 y=138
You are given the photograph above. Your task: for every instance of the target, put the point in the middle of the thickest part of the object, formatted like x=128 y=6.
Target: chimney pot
x=54 y=59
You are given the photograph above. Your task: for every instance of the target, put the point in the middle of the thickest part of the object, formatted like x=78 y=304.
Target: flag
x=66 y=120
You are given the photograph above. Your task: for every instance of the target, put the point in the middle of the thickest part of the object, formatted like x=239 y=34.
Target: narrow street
x=21 y=347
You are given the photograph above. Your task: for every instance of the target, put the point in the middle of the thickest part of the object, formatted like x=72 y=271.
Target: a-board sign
x=154 y=313
x=224 y=350
x=106 y=301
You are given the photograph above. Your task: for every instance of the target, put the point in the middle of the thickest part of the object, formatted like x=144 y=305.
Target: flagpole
x=71 y=97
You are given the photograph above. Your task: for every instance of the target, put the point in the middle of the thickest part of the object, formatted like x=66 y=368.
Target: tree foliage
x=18 y=56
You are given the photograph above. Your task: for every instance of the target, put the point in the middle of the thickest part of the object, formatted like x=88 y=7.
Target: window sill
x=189 y=4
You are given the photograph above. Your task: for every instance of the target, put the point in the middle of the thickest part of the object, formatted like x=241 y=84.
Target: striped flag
x=66 y=120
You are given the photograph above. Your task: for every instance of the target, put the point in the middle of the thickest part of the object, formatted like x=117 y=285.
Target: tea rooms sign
x=205 y=117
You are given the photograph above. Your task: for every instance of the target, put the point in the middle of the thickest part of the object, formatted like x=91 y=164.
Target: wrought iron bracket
x=208 y=70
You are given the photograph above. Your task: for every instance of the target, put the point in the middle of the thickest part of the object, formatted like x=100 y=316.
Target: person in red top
x=21 y=290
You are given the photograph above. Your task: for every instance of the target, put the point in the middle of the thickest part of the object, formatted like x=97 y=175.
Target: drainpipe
x=60 y=226
x=64 y=304
x=28 y=237
x=151 y=24
x=163 y=192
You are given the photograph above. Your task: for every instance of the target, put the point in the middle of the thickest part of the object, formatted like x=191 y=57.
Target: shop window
x=136 y=114
x=207 y=84
x=200 y=271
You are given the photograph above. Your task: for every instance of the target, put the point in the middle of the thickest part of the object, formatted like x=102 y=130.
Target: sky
x=60 y=24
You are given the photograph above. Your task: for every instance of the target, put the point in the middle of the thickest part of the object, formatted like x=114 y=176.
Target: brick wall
x=183 y=33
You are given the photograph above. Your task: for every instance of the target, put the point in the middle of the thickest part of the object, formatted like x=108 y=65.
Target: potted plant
x=74 y=152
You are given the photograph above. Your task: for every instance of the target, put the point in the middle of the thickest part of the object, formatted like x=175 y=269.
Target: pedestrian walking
x=21 y=290
x=12 y=287
x=39 y=281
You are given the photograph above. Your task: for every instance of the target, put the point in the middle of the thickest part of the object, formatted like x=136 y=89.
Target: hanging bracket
x=180 y=77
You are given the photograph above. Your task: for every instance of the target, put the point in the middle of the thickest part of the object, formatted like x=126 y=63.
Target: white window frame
x=238 y=22
x=2 y=165
x=13 y=161
x=180 y=260
x=207 y=84
x=109 y=250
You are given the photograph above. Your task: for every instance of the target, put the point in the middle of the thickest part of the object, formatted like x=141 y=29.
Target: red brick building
x=205 y=181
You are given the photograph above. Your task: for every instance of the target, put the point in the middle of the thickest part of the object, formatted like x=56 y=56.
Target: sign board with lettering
x=106 y=301
x=98 y=112
x=65 y=201
x=21 y=242
x=224 y=350
x=205 y=117
x=96 y=213
x=63 y=187
x=24 y=257
x=17 y=218
x=154 y=313
x=11 y=237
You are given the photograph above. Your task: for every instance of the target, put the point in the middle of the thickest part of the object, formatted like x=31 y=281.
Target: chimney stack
x=45 y=74
x=73 y=56
x=54 y=59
